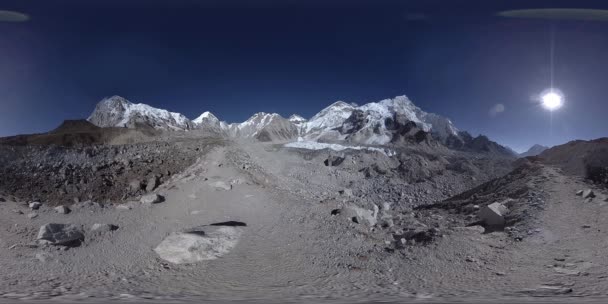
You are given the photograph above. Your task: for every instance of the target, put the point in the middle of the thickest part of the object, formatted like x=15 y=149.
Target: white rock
x=62 y=210
x=361 y=215
x=151 y=199
x=195 y=246
x=493 y=214
x=588 y=193
x=103 y=227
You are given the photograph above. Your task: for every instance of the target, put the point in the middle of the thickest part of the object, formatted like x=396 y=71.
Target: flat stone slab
x=199 y=244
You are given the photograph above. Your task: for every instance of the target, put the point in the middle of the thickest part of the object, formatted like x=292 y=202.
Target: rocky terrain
x=375 y=202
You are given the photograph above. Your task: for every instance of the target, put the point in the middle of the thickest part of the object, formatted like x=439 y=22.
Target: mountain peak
x=117 y=111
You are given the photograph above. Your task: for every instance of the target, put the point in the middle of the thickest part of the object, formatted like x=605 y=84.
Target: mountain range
x=389 y=121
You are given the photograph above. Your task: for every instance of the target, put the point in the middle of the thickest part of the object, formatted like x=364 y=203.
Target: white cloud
x=497 y=109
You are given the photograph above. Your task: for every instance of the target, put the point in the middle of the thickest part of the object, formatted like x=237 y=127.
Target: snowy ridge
x=374 y=123
x=313 y=145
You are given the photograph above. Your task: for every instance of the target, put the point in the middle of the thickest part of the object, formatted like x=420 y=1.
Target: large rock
x=195 y=245
x=152 y=199
x=60 y=234
x=493 y=214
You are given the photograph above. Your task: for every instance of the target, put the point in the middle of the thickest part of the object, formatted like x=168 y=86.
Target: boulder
x=103 y=227
x=35 y=205
x=60 y=234
x=588 y=193
x=62 y=210
x=493 y=214
x=152 y=199
x=222 y=186
x=198 y=244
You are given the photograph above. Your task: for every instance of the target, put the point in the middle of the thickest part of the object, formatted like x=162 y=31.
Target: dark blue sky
x=235 y=58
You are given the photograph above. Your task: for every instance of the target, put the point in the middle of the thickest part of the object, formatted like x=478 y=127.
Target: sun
x=552 y=100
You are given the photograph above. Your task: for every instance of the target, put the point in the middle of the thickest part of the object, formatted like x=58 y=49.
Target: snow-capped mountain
x=374 y=122
x=265 y=127
x=116 y=111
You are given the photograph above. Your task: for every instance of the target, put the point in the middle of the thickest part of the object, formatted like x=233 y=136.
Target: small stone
x=135 y=185
x=62 y=210
x=32 y=215
x=35 y=205
x=579 y=192
x=346 y=192
x=152 y=199
x=123 y=207
x=103 y=227
x=500 y=273
x=586 y=226
x=471 y=259
x=588 y=193
x=152 y=184
x=219 y=185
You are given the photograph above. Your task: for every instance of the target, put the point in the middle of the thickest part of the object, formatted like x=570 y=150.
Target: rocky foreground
x=235 y=220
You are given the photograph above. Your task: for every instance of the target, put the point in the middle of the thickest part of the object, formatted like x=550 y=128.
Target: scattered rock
x=346 y=192
x=500 y=273
x=153 y=183
x=123 y=207
x=62 y=210
x=60 y=234
x=198 y=244
x=32 y=215
x=135 y=185
x=103 y=227
x=545 y=290
x=566 y=271
x=586 y=226
x=35 y=205
x=579 y=192
x=219 y=185
x=152 y=199
x=493 y=214
x=359 y=215
x=471 y=259
x=588 y=193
